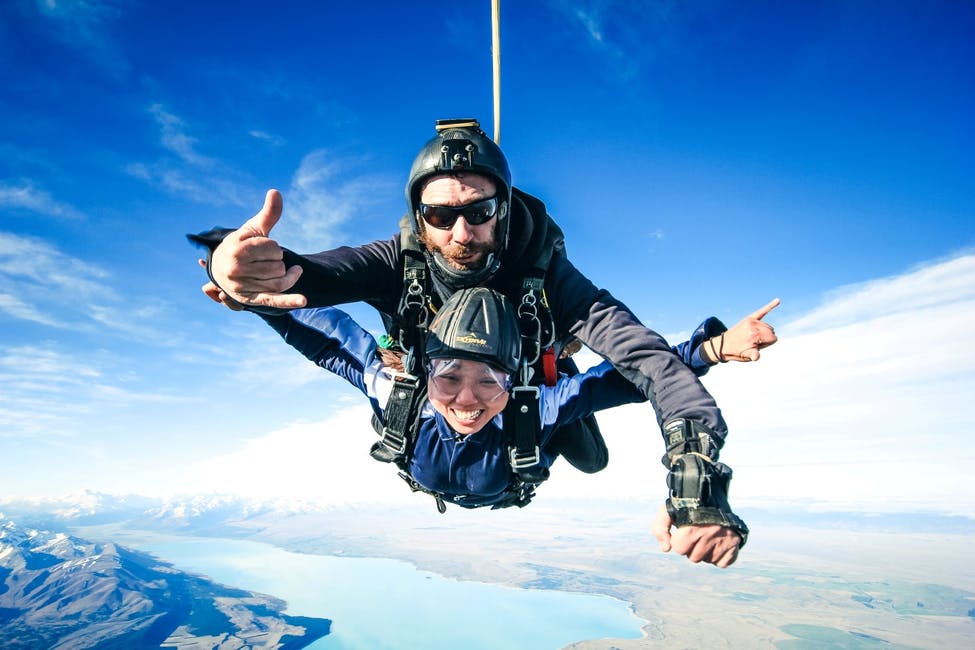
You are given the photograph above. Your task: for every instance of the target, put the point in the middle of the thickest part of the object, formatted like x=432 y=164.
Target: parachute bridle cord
x=496 y=51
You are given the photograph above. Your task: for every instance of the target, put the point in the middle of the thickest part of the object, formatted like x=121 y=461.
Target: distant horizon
x=830 y=515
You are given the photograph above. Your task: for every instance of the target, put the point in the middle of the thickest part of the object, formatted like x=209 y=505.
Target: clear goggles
x=448 y=377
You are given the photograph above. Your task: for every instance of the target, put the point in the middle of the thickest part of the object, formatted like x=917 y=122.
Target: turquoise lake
x=380 y=603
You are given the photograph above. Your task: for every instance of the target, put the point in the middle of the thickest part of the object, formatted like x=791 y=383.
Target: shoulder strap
x=522 y=416
x=413 y=314
x=407 y=331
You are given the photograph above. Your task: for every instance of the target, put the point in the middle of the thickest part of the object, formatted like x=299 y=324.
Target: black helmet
x=461 y=145
x=478 y=324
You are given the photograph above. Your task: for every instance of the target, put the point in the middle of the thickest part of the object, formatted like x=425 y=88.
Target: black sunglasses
x=443 y=217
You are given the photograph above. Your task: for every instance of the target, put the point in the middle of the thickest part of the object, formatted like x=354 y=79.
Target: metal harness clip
x=523 y=461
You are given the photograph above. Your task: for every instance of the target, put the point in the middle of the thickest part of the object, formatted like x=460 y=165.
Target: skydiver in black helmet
x=468 y=226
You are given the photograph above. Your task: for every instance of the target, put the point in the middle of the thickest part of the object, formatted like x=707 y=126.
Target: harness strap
x=416 y=487
x=521 y=422
x=413 y=314
x=401 y=414
x=519 y=493
x=522 y=417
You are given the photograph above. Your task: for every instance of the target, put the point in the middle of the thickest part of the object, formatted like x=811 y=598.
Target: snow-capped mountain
x=86 y=508
x=60 y=591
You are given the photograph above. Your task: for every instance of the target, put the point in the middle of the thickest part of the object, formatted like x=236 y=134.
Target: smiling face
x=467 y=393
x=464 y=246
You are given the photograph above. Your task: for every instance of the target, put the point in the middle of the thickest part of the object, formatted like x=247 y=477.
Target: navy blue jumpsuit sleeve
x=690 y=350
x=331 y=339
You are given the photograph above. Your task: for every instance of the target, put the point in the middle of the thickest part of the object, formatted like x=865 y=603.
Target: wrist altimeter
x=698 y=483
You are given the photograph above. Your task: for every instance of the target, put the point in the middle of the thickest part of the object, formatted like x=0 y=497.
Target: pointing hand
x=746 y=338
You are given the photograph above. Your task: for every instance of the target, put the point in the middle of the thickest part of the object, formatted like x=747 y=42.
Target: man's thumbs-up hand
x=248 y=266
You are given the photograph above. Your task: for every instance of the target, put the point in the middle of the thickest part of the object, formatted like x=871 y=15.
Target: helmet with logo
x=479 y=324
x=461 y=146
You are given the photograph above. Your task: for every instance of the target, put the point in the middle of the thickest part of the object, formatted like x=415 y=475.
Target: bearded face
x=461 y=255
x=463 y=246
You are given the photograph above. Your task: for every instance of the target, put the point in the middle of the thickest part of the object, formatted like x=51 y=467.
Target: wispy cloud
x=85 y=26
x=851 y=409
x=23 y=195
x=187 y=172
x=261 y=358
x=930 y=286
x=39 y=390
x=627 y=35
x=324 y=194
x=21 y=310
x=304 y=460
x=270 y=138
x=177 y=140
x=45 y=390
x=42 y=284
x=860 y=404
x=34 y=270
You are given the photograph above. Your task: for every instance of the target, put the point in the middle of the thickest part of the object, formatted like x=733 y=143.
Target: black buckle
x=398 y=412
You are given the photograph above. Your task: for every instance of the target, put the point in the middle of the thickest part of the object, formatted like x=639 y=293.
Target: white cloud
x=26 y=196
x=32 y=269
x=324 y=461
x=85 y=25
x=44 y=285
x=44 y=389
x=865 y=400
x=261 y=358
x=192 y=175
x=269 y=138
x=869 y=412
x=175 y=138
x=945 y=283
x=21 y=310
x=322 y=197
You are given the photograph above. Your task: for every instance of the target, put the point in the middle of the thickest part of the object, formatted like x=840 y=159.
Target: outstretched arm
x=331 y=339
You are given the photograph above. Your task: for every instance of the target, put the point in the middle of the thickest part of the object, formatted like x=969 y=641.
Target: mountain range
x=59 y=591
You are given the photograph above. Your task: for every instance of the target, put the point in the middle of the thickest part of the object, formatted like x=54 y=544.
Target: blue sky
x=702 y=158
